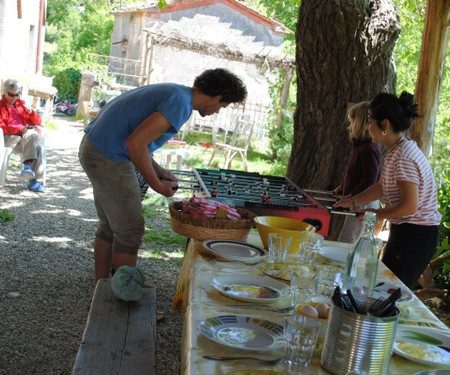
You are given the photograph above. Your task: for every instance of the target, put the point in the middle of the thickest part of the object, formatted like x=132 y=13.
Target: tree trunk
x=431 y=66
x=344 y=54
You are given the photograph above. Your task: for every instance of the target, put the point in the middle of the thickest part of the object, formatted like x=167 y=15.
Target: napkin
x=127 y=283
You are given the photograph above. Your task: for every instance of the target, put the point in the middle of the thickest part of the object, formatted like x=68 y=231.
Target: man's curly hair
x=213 y=82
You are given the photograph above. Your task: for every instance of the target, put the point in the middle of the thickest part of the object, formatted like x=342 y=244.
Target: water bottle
x=362 y=263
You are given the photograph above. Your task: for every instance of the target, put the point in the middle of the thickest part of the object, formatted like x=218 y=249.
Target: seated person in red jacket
x=21 y=127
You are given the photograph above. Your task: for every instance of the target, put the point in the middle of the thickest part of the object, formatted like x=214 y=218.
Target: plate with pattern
x=236 y=251
x=243 y=332
x=335 y=253
x=261 y=289
x=425 y=345
x=282 y=270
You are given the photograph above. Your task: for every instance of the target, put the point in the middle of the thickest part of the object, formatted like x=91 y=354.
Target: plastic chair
x=6 y=152
x=236 y=141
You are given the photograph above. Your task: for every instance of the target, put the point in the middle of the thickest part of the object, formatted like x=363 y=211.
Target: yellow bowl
x=283 y=225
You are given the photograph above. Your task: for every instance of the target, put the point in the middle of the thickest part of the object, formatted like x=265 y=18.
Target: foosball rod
x=275 y=200
x=241 y=177
x=246 y=184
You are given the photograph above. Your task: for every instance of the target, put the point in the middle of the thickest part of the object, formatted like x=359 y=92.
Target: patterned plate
x=250 y=288
x=243 y=332
x=234 y=250
x=423 y=345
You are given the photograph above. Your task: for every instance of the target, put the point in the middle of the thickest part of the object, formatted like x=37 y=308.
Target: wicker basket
x=210 y=229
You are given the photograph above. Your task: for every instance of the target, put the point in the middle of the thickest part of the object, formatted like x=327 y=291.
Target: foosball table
x=262 y=195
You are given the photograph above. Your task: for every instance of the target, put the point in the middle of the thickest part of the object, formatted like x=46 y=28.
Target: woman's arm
x=409 y=203
x=371 y=194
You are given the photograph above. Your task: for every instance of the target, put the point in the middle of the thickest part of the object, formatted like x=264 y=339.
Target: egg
x=323 y=310
x=308 y=310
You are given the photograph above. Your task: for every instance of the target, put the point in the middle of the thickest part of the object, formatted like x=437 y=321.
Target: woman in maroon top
x=21 y=127
x=363 y=167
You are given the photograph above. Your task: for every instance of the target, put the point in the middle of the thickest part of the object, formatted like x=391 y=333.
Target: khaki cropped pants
x=29 y=145
x=117 y=199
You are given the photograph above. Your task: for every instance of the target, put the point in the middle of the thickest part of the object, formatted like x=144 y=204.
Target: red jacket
x=28 y=119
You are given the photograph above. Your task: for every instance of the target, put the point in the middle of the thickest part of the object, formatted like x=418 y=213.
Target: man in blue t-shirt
x=123 y=136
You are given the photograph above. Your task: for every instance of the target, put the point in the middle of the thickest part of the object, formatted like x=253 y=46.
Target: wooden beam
x=431 y=66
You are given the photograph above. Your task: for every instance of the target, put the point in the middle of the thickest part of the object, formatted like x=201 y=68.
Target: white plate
x=335 y=253
x=282 y=270
x=234 y=250
x=259 y=289
x=243 y=332
x=386 y=289
x=420 y=344
x=278 y=270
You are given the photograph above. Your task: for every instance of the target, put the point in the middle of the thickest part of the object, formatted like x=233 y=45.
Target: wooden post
x=431 y=65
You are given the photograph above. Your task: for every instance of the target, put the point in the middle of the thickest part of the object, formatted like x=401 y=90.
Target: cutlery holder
x=358 y=342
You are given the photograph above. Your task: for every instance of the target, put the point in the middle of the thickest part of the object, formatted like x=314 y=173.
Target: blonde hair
x=357 y=116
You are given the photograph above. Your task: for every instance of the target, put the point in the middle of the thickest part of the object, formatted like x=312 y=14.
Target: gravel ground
x=46 y=268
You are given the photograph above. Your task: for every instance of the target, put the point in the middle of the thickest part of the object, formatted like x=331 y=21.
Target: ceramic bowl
x=283 y=225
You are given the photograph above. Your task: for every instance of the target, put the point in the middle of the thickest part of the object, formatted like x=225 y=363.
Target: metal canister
x=358 y=342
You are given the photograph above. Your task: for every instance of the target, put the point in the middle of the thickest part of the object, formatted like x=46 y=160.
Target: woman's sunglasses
x=13 y=95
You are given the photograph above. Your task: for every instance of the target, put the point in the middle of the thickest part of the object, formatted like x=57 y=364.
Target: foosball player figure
x=214 y=193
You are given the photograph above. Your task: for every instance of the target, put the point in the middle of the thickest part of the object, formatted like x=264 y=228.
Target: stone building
x=175 y=44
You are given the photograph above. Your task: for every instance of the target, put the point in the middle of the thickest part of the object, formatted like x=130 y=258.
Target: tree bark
x=344 y=54
x=431 y=66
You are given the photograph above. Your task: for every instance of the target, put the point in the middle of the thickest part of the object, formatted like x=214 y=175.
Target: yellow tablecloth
x=198 y=300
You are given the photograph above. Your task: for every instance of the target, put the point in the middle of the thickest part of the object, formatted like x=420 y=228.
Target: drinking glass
x=300 y=337
x=278 y=247
x=328 y=278
x=303 y=283
x=309 y=246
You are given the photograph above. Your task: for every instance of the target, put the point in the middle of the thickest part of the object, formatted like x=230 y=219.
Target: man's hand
x=167 y=175
x=166 y=188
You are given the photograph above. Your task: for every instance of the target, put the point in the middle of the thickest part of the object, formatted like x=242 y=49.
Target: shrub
x=443 y=278
x=68 y=83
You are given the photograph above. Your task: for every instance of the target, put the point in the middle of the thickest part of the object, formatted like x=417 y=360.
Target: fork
x=270 y=362
x=375 y=307
x=279 y=310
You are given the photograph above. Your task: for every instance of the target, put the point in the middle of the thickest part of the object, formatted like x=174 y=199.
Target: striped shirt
x=406 y=162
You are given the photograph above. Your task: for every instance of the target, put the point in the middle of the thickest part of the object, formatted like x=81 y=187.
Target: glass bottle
x=362 y=263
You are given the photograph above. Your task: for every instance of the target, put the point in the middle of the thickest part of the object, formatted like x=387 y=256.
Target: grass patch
x=257 y=160
x=5 y=216
x=164 y=237
x=160 y=255
x=161 y=243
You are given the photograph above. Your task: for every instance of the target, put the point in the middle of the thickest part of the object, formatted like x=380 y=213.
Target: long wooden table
x=198 y=300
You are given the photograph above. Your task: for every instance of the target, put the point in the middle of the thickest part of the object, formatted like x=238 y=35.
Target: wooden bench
x=119 y=337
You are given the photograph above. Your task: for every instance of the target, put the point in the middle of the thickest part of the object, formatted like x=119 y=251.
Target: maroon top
x=363 y=167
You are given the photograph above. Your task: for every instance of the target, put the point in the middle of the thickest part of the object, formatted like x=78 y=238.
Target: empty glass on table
x=300 y=337
x=303 y=283
x=309 y=246
x=278 y=247
x=328 y=278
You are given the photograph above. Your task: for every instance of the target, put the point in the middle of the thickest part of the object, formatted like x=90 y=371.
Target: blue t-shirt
x=122 y=115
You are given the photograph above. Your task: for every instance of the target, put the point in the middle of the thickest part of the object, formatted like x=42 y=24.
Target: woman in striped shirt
x=407 y=189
